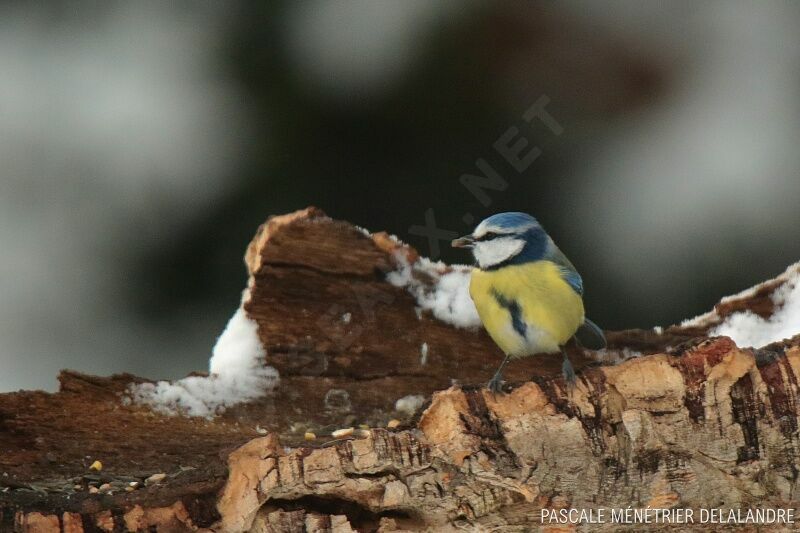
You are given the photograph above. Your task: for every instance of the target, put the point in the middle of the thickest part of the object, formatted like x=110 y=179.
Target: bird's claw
x=495 y=384
x=569 y=372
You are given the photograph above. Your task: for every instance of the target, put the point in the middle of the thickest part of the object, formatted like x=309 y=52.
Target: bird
x=528 y=295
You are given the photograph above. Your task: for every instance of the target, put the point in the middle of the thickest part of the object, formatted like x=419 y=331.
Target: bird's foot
x=569 y=372
x=495 y=384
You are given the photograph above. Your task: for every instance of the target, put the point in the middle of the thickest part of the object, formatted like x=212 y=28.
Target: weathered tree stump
x=695 y=421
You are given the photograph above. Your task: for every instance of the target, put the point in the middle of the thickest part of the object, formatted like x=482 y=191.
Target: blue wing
x=589 y=334
x=568 y=271
x=574 y=280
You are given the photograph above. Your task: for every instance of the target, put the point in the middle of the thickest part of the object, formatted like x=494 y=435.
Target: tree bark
x=693 y=422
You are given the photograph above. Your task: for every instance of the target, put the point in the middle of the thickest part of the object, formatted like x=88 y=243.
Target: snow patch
x=423 y=354
x=446 y=295
x=237 y=374
x=711 y=317
x=363 y=231
x=750 y=330
x=700 y=320
x=409 y=404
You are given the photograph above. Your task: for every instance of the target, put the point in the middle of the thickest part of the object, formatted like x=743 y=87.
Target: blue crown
x=511 y=220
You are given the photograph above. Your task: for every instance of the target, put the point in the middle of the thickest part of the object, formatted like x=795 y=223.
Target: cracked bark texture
x=694 y=422
x=715 y=426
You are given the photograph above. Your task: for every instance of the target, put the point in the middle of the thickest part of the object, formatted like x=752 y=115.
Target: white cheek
x=496 y=251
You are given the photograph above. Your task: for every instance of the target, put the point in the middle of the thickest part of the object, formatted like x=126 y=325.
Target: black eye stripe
x=487 y=236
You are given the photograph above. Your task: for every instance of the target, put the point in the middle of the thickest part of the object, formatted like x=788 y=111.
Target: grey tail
x=589 y=335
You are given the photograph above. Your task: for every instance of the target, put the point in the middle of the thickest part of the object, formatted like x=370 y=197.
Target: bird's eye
x=487 y=236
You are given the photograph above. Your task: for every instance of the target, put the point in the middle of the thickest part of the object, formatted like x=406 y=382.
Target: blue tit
x=528 y=295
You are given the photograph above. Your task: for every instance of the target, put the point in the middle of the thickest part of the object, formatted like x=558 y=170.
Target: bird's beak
x=463 y=242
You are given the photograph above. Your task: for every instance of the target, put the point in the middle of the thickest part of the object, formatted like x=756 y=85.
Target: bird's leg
x=567 y=370
x=496 y=382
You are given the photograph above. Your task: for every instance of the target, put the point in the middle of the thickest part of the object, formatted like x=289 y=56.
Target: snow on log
x=346 y=395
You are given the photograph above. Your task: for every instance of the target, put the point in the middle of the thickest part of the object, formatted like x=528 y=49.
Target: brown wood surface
x=694 y=421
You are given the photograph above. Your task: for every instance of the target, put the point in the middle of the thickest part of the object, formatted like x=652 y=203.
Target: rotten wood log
x=695 y=422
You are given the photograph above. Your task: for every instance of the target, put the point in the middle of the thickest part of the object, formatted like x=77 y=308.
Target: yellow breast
x=549 y=307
